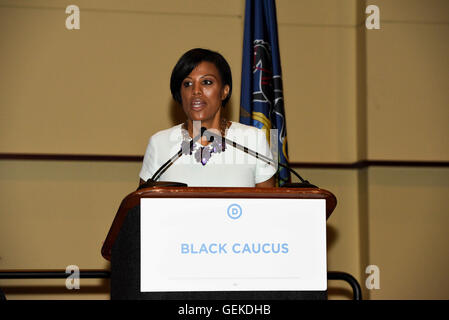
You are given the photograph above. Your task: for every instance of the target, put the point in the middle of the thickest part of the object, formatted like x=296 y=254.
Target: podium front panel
x=233 y=245
x=273 y=280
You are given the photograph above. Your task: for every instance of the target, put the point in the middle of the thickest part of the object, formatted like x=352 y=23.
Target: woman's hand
x=266 y=184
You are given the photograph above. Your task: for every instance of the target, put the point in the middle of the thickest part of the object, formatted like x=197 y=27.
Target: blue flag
x=262 y=101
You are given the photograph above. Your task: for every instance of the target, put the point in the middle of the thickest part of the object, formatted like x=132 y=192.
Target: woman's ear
x=225 y=92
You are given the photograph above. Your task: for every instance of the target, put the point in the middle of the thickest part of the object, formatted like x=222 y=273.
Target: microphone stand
x=152 y=182
x=303 y=184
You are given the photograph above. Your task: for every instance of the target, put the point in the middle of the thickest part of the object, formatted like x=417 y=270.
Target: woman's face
x=202 y=93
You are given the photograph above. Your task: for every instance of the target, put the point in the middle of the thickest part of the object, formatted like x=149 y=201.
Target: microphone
x=152 y=182
x=303 y=184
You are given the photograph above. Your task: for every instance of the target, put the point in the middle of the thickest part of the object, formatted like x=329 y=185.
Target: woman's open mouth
x=197 y=104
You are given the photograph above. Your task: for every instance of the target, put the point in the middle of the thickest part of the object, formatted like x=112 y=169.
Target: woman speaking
x=201 y=82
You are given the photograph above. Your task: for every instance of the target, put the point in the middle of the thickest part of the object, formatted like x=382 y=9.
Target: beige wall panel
x=408 y=92
x=318 y=12
x=55 y=213
x=408 y=234
x=319 y=69
x=103 y=89
x=421 y=11
x=194 y=7
x=342 y=226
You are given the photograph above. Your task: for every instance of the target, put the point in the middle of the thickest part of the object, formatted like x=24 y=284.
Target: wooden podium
x=122 y=245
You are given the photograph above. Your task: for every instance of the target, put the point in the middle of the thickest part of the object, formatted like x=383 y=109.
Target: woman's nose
x=196 y=88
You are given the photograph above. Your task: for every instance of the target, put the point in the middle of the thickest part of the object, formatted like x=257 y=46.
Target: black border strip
x=317 y=165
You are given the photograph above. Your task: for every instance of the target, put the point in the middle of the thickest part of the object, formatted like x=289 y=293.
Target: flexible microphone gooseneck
x=303 y=184
x=152 y=182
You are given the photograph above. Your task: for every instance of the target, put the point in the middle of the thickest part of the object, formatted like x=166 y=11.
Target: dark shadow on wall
x=335 y=290
x=331 y=237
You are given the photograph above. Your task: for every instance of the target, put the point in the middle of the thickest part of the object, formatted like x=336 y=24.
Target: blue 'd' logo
x=234 y=211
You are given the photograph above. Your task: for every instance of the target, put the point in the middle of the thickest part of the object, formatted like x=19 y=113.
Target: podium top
x=133 y=200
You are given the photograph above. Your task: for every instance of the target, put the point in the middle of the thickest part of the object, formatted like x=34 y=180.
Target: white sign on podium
x=233 y=244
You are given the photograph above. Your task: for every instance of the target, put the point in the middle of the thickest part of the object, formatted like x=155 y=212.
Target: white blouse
x=231 y=168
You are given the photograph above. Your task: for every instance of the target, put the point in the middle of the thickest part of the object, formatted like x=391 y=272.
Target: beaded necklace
x=203 y=154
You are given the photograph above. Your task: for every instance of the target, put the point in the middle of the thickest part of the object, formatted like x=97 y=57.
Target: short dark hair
x=189 y=61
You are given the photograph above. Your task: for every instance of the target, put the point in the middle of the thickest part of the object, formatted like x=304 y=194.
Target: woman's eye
x=207 y=82
x=186 y=83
